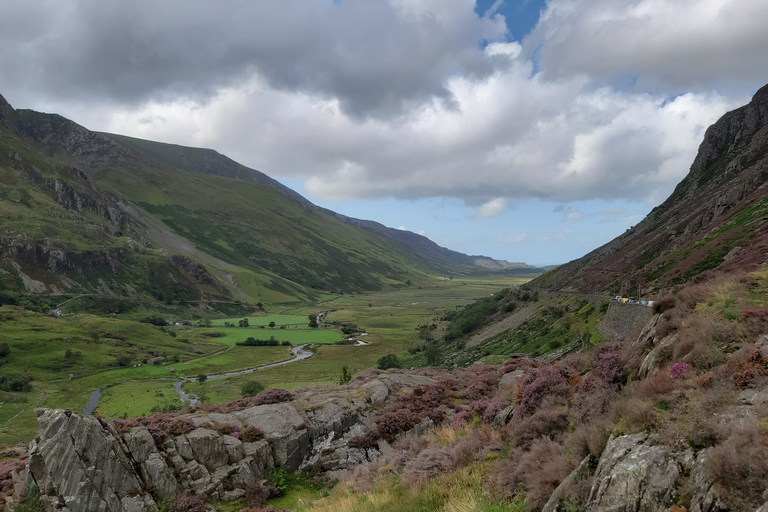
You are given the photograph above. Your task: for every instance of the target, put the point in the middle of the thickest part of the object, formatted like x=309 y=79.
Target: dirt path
x=513 y=320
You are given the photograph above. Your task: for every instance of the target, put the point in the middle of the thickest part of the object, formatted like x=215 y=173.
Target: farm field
x=233 y=335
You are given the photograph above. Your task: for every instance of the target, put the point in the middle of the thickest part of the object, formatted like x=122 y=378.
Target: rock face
x=634 y=476
x=82 y=463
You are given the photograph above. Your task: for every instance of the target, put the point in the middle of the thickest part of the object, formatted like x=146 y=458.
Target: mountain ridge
x=715 y=219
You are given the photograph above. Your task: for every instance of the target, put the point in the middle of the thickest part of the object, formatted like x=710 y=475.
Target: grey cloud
x=375 y=59
x=679 y=45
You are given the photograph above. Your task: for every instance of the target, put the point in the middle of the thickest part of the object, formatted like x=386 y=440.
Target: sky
x=524 y=130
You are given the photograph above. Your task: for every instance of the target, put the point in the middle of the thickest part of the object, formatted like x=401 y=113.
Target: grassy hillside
x=125 y=219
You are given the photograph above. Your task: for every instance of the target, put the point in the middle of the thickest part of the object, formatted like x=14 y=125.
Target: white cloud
x=492 y=208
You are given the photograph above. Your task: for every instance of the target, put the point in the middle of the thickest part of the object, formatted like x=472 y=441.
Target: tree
x=346 y=375
x=204 y=322
x=243 y=322
x=433 y=354
x=408 y=282
x=251 y=388
x=202 y=378
x=388 y=361
x=272 y=324
x=313 y=320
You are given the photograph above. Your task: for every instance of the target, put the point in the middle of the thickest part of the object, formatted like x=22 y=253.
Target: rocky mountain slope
x=715 y=218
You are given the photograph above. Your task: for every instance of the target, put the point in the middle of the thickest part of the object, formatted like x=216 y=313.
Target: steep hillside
x=715 y=218
x=167 y=222
x=207 y=161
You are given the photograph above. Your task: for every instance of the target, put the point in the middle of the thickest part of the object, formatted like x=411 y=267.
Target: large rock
x=657 y=357
x=80 y=463
x=284 y=428
x=208 y=448
x=633 y=476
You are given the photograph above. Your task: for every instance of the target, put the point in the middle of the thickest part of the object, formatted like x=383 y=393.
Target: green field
x=289 y=320
x=294 y=336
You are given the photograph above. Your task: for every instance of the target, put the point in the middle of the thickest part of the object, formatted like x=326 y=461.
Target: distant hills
x=115 y=217
x=715 y=220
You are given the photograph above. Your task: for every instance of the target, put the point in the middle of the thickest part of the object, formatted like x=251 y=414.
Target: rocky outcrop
x=83 y=463
x=635 y=476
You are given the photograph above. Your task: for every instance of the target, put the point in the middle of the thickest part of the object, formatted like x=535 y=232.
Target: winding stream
x=298 y=354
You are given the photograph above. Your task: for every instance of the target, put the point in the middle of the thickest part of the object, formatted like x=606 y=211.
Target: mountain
x=715 y=220
x=207 y=161
x=114 y=217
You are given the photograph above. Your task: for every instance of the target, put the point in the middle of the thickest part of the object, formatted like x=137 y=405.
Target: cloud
x=377 y=59
x=682 y=44
x=492 y=208
x=571 y=213
x=605 y=99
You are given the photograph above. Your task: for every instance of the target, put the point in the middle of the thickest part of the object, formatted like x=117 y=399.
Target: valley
x=70 y=356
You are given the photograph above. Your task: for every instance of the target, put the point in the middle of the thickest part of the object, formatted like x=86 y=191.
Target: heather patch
x=160 y=425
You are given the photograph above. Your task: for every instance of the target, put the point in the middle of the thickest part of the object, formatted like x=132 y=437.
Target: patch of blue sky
x=521 y=15
x=533 y=231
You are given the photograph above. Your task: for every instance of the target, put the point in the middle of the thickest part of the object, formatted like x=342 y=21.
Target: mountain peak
x=5 y=107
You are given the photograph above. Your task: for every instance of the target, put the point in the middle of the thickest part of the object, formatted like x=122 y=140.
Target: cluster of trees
x=155 y=320
x=30 y=302
x=271 y=342
x=16 y=383
x=471 y=317
x=387 y=362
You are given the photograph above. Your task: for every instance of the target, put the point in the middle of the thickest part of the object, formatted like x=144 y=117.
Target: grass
x=295 y=336
x=289 y=320
x=459 y=491
x=135 y=398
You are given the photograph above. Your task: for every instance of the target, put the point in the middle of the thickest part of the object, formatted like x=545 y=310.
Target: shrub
x=159 y=425
x=538 y=383
x=427 y=465
x=387 y=362
x=545 y=423
x=368 y=440
x=664 y=304
x=227 y=429
x=272 y=396
x=390 y=424
x=537 y=472
x=739 y=468
x=251 y=434
x=279 y=479
x=670 y=321
x=251 y=388
x=680 y=370
x=607 y=363
x=187 y=503
x=256 y=493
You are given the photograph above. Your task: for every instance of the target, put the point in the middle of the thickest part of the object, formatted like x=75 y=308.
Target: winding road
x=298 y=354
